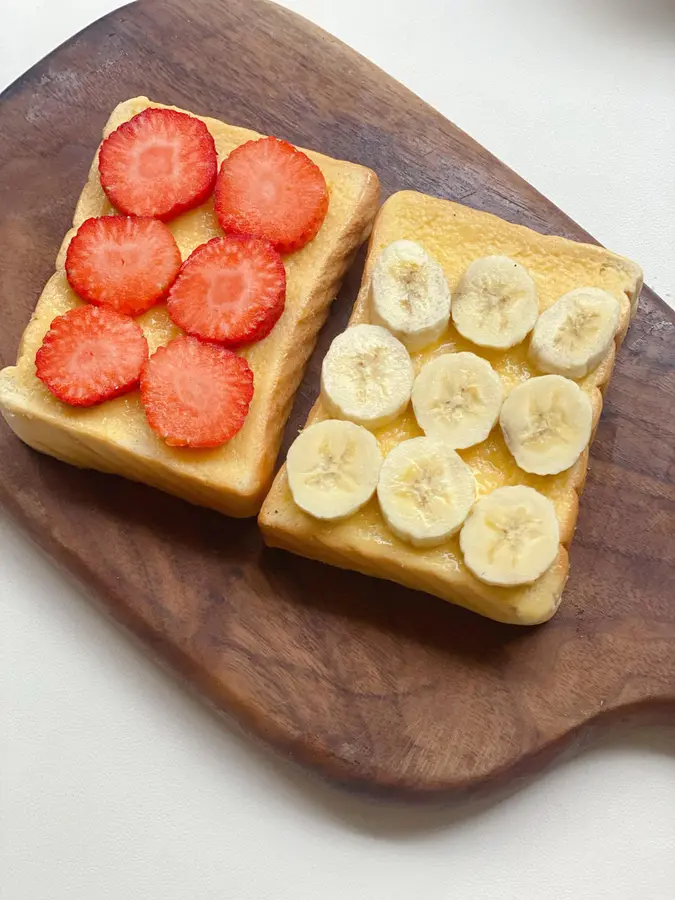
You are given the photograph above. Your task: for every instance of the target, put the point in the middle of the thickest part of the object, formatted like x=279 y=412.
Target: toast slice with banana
x=116 y=435
x=476 y=357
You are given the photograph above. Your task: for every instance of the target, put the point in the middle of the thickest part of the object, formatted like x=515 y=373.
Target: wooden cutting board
x=378 y=687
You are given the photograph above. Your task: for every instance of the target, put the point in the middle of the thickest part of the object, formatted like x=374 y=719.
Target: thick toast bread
x=115 y=437
x=456 y=235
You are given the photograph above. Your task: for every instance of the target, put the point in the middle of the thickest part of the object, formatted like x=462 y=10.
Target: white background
x=117 y=785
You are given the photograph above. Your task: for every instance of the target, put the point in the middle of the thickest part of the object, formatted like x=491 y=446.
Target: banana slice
x=511 y=536
x=546 y=423
x=333 y=468
x=496 y=303
x=457 y=398
x=410 y=295
x=425 y=491
x=366 y=376
x=573 y=335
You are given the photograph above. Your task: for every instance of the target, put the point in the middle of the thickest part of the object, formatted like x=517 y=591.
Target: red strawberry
x=272 y=190
x=196 y=394
x=125 y=263
x=91 y=354
x=159 y=164
x=231 y=290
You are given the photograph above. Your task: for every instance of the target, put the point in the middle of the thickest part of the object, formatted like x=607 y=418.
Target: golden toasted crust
x=115 y=437
x=455 y=235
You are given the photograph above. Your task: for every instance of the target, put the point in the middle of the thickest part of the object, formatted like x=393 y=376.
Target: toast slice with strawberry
x=250 y=313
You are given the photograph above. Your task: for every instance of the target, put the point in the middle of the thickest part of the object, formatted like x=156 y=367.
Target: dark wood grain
x=377 y=686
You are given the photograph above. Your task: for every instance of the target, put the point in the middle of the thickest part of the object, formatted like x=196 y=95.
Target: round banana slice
x=574 y=334
x=546 y=423
x=457 y=398
x=366 y=376
x=511 y=536
x=425 y=491
x=333 y=468
x=410 y=295
x=496 y=303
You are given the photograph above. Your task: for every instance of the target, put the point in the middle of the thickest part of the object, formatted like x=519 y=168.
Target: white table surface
x=116 y=785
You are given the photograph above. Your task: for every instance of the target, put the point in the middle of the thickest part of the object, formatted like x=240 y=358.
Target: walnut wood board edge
x=380 y=688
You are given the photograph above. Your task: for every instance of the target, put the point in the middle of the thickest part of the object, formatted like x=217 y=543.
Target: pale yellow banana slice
x=457 y=398
x=575 y=333
x=425 y=491
x=333 y=468
x=366 y=376
x=546 y=423
x=409 y=294
x=496 y=303
x=511 y=536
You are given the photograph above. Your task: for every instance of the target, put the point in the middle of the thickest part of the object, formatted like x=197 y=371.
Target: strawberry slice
x=160 y=163
x=196 y=394
x=91 y=354
x=272 y=190
x=125 y=263
x=231 y=290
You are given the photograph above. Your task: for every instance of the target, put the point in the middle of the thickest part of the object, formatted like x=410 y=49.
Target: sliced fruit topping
x=511 y=536
x=496 y=303
x=366 y=376
x=272 y=190
x=572 y=336
x=196 y=394
x=333 y=468
x=231 y=290
x=425 y=491
x=546 y=423
x=160 y=163
x=91 y=354
x=410 y=294
x=457 y=398
x=127 y=263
